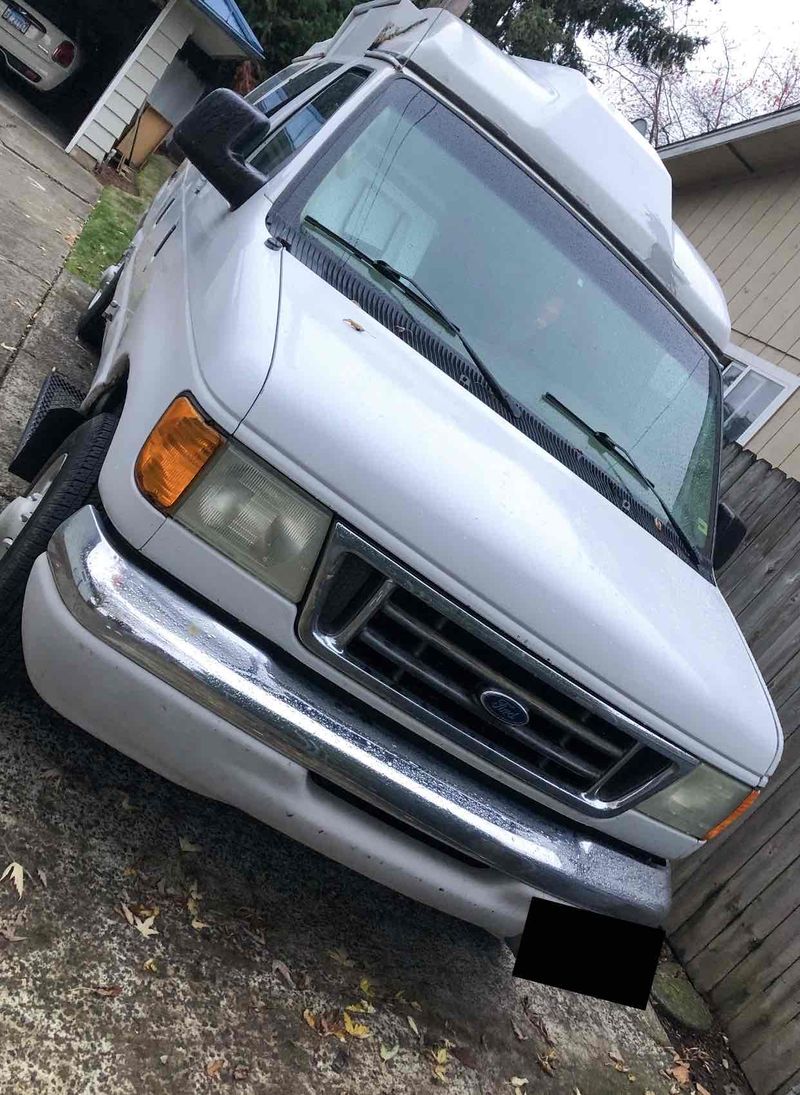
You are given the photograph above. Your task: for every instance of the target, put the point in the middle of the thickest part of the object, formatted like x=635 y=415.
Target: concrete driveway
x=164 y=943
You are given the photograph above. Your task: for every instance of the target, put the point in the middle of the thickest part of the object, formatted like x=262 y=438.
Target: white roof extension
x=557 y=118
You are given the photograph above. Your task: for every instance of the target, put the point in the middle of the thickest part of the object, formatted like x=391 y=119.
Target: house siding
x=748 y=231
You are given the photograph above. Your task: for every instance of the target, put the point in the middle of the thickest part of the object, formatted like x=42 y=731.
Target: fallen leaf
x=416 y=1004
x=310 y=1018
x=150 y=965
x=331 y=1027
x=10 y=935
x=352 y=323
x=539 y=1023
x=213 y=1068
x=615 y=1056
x=107 y=990
x=363 y=1006
x=187 y=846
x=365 y=986
x=440 y=1073
x=42 y=877
x=16 y=873
x=6 y=346
x=145 y=926
x=355 y=1029
x=193 y=906
x=388 y=1053
x=466 y=1056
x=341 y=957
x=577 y=1091
x=198 y=925
x=283 y=970
x=725 y=1063
x=547 y=1061
x=126 y=912
x=680 y=1072
x=702 y=1090
x=520 y=1033
x=518 y=1081
x=412 y=1024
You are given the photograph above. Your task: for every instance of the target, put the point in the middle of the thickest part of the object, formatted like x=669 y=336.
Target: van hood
x=412 y=460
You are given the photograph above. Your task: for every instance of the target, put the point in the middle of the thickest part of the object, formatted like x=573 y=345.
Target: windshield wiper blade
x=609 y=443
x=422 y=297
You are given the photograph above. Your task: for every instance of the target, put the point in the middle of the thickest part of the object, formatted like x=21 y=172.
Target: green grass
x=110 y=228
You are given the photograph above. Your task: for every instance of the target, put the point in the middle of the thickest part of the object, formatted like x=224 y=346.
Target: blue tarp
x=226 y=13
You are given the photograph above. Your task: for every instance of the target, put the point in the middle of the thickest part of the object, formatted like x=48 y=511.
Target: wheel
x=92 y=324
x=67 y=482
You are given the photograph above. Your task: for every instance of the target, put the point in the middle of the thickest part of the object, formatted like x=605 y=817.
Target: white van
x=391 y=515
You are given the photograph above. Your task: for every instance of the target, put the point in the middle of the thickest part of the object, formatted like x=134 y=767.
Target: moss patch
x=110 y=228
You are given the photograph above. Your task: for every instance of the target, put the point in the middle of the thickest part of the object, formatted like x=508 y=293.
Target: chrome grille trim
x=575 y=744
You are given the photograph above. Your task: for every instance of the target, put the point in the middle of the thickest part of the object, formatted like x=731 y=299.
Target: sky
x=753 y=24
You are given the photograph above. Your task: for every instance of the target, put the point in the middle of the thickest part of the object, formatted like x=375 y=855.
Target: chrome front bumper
x=264 y=693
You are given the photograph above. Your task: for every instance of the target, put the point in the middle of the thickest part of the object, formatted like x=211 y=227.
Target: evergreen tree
x=549 y=30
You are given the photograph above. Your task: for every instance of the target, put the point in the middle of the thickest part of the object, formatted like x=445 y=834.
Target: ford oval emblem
x=503 y=707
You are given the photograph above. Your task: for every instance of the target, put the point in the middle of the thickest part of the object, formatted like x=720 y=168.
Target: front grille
x=386 y=627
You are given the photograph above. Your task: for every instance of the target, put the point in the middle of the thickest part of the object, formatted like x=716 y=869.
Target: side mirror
x=216 y=135
x=731 y=530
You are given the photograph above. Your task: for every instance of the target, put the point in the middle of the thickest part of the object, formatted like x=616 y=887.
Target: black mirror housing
x=731 y=530
x=217 y=135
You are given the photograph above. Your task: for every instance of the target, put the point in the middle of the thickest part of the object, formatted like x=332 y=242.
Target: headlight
x=702 y=803
x=256 y=517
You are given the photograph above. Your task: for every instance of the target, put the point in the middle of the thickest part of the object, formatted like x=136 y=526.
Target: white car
x=391 y=514
x=39 y=43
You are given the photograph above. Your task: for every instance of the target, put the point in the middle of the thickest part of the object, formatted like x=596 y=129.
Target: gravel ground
x=258 y=946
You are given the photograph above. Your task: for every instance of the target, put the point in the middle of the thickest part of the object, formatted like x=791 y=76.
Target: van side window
x=308 y=120
x=276 y=97
x=258 y=93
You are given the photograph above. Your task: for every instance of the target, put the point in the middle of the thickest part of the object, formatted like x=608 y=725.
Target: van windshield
x=547 y=306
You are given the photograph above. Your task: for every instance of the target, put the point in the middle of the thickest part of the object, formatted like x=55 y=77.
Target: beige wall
x=748 y=231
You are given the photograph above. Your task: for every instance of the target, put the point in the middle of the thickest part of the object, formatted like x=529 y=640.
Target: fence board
x=736 y=911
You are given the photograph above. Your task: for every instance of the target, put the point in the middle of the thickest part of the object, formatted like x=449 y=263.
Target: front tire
x=66 y=483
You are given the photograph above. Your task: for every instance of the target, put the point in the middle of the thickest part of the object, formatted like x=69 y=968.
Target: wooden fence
x=736 y=916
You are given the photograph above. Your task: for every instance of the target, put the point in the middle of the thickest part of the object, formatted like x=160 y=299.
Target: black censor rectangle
x=588 y=952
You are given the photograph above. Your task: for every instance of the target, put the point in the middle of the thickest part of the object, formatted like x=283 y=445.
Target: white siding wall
x=128 y=90
x=748 y=231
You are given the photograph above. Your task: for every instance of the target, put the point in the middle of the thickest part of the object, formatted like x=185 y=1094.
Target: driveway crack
x=45 y=174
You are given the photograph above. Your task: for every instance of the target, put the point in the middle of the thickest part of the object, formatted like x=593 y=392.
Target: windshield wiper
x=415 y=291
x=609 y=443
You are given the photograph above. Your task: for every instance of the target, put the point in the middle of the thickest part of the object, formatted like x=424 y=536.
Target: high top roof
x=557 y=119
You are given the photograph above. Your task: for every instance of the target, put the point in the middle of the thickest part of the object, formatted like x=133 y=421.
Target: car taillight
x=64 y=54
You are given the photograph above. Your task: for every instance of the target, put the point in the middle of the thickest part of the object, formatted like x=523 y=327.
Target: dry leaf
x=440 y=1073
x=16 y=873
x=310 y=1018
x=187 y=846
x=363 y=1006
x=440 y=1055
x=355 y=1029
x=126 y=912
x=702 y=1090
x=145 y=926
x=352 y=323
x=725 y=1063
x=10 y=935
x=198 y=925
x=341 y=957
x=331 y=1027
x=547 y=1061
x=107 y=990
x=615 y=1056
x=213 y=1068
x=42 y=877
x=680 y=1072
x=413 y=1025
x=518 y=1081
x=388 y=1053
x=365 y=986
x=520 y=1033
x=283 y=970
x=150 y=966
x=577 y=1091
x=416 y=1004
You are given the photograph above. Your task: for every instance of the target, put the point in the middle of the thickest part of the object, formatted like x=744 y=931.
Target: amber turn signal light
x=734 y=815
x=179 y=446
